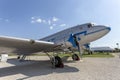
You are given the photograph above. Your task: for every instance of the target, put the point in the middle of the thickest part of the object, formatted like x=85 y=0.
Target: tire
x=75 y=57
x=18 y=57
x=58 y=62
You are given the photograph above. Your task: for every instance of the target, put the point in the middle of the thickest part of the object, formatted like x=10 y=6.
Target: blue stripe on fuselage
x=71 y=39
x=84 y=32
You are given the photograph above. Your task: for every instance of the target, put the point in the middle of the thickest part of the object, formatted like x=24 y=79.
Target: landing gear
x=75 y=57
x=21 y=57
x=90 y=52
x=56 y=61
x=18 y=57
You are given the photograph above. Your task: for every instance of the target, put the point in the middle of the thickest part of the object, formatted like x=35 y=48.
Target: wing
x=24 y=46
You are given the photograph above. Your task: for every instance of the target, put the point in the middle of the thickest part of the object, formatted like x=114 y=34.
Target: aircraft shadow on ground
x=34 y=68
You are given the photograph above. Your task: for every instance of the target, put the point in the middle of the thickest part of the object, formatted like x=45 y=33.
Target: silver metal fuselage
x=85 y=33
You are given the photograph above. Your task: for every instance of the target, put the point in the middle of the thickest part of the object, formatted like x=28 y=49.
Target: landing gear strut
x=21 y=57
x=56 y=61
x=75 y=57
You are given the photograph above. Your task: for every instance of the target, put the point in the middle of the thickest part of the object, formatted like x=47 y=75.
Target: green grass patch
x=63 y=55
x=97 y=55
x=94 y=55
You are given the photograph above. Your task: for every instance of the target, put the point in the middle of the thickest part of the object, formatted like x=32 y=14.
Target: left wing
x=24 y=46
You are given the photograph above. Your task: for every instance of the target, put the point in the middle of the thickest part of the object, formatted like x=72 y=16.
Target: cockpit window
x=90 y=25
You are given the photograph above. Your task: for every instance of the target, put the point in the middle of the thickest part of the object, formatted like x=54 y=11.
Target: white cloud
x=53 y=24
x=55 y=19
x=6 y=20
x=32 y=21
x=51 y=27
x=32 y=17
x=44 y=21
x=62 y=25
x=1 y=18
x=38 y=20
x=49 y=22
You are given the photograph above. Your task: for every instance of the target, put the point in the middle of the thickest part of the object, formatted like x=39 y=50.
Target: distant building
x=102 y=49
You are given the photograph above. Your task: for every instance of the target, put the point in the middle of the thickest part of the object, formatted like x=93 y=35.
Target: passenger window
x=48 y=40
x=81 y=28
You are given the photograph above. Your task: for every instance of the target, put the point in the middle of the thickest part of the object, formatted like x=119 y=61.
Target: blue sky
x=35 y=19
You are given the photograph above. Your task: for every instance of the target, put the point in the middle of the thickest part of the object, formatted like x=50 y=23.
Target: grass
x=94 y=55
x=100 y=55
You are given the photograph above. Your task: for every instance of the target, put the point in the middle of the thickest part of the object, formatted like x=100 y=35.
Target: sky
x=35 y=19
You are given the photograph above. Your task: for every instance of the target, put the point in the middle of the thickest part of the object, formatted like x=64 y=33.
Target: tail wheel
x=57 y=62
x=75 y=57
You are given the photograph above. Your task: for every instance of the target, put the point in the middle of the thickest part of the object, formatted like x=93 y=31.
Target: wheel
x=57 y=62
x=75 y=57
x=18 y=57
x=90 y=52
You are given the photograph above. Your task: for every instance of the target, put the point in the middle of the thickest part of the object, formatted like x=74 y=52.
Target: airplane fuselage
x=84 y=34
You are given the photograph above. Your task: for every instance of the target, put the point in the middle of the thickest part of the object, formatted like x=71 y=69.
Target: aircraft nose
x=108 y=28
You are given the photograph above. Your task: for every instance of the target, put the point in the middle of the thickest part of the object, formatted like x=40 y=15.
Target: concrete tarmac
x=39 y=68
